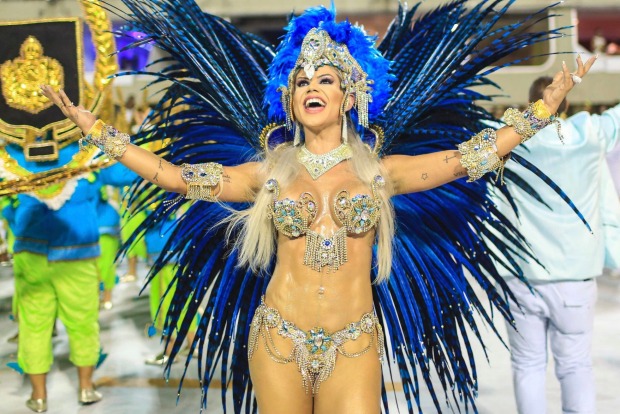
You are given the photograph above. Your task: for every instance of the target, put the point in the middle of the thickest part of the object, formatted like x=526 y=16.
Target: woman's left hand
x=563 y=82
x=79 y=115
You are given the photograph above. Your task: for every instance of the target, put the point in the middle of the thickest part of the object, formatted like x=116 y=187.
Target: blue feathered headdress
x=360 y=46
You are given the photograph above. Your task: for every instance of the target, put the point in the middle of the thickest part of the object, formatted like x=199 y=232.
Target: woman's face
x=316 y=101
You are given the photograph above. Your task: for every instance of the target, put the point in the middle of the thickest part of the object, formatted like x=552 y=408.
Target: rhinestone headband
x=319 y=49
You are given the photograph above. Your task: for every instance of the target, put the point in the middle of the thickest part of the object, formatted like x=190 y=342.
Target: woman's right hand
x=563 y=82
x=80 y=116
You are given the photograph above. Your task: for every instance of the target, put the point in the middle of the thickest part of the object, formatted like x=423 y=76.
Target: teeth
x=314 y=101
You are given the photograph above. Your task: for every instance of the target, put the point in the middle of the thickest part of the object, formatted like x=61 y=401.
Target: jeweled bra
x=356 y=215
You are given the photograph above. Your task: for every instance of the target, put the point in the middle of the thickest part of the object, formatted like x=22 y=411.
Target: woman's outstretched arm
x=237 y=183
x=422 y=172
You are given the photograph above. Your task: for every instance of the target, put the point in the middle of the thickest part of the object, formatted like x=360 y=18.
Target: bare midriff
x=295 y=289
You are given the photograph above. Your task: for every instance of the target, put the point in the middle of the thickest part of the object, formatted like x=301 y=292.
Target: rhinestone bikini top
x=358 y=214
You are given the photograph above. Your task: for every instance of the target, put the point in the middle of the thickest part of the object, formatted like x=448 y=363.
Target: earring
x=343 y=112
x=297 y=137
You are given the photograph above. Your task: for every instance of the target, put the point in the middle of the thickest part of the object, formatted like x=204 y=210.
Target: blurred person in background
x=558 y=310
x=598 y=42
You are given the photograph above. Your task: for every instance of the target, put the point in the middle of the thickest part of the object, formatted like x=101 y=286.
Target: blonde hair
x=256 y=241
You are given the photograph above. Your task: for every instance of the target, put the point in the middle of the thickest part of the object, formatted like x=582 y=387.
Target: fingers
x=566 y=79
x=583 y=68
x=589 y=64
x=580 y=69
x=51 y=95
x=69 y=110
x=65 y=99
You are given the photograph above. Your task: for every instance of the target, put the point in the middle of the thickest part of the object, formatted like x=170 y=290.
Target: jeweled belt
x=314 y=351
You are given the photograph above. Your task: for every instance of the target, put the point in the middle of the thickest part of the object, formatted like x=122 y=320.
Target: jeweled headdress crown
x=315 y=39
x=318 y=49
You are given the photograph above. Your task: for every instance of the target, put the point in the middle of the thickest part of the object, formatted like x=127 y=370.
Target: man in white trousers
x=559 y=310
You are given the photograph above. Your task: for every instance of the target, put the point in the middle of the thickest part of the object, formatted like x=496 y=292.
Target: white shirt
x=560 y=241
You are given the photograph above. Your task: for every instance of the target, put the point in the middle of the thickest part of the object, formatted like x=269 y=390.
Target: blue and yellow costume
x=56 y=246
x=109 y=239
x=56 y=272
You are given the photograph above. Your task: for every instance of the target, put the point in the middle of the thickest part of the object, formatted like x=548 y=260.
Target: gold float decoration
x=47 y=184
x=51 y=184
x=65 y=132
x=22 y=77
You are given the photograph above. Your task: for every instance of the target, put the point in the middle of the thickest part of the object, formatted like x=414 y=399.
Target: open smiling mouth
x=314 y=103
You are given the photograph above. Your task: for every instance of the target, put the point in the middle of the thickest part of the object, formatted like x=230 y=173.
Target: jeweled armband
x=530 y=121
x=479 y=154
x=107 y=138
x=202 y=179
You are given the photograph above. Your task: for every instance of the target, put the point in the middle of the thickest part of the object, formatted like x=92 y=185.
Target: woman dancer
x=319 y=205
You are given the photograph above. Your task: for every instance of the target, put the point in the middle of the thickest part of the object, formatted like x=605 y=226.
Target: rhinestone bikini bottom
x=314 y=351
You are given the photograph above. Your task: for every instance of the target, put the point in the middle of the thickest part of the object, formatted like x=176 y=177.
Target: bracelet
x=202 y=179
x=532 y=120
x=479 y=155
x=107 y=138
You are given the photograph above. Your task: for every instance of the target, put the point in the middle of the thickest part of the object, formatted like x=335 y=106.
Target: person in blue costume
x=56 y=274
x=109 y=242
x=8 y=216
x=160 y=280
x=328 y=202
x=6 y=236
x=130 y=222
x=559 y=313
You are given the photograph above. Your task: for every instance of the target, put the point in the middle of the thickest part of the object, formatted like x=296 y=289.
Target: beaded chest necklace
x=317 y=165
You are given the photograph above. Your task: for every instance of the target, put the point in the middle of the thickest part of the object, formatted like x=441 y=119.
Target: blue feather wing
x=209 y=59
x=439 y=57
x=208 y=284
x=450 y=239
x=211 y=111
x=428 y=304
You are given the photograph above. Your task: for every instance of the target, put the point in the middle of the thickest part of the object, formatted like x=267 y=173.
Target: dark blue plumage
x=448 y=240
x=436 y=60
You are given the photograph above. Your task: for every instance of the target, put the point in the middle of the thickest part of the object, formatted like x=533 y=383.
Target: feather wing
x=211 y=111
x=448 y=240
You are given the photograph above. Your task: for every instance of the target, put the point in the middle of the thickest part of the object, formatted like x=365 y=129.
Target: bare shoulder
x=395 y=162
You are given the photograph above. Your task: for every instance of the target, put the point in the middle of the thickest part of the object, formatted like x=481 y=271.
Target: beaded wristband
x=107 y=138
x=479 y=154
x=532 y=120
x=201 y=179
